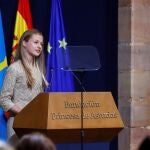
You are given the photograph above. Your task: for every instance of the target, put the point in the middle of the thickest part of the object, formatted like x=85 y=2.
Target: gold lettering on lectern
x=87 y=104
x=94 y=111
x=61 y=116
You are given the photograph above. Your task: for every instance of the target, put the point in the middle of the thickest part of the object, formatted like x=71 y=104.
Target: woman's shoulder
x=15 y=66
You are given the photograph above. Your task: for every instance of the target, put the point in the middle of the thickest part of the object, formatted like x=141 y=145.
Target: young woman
x=24 y=79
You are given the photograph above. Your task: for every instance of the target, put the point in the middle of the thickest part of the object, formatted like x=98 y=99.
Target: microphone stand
x=82 y=73
x=82 y=130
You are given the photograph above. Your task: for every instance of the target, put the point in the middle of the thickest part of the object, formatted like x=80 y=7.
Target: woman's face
x=34 y=46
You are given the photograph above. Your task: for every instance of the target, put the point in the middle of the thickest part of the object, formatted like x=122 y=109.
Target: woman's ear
x=24 y=43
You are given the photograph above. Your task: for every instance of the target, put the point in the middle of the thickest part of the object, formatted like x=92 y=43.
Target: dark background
x=87 y=22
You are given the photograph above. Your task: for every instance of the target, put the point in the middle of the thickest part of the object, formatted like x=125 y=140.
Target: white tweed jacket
x=15 y=89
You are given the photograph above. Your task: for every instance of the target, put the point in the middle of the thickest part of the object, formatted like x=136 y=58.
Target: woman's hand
x=15 y=109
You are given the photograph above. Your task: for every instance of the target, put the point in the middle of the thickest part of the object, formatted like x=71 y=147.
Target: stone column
x=134 y=71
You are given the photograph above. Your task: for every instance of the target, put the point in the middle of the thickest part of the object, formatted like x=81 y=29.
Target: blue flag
x=59 y=80
x=3 y=68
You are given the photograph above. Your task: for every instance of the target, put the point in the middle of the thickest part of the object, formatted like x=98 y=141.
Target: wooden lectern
x=58 y=115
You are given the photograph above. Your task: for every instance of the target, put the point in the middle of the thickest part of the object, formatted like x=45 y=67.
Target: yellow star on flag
x=49 y=47
x=62 y=43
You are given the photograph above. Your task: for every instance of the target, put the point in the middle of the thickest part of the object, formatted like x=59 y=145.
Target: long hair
x=39 y=61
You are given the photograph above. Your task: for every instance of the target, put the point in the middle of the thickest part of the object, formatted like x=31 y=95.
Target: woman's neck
x=30 y=61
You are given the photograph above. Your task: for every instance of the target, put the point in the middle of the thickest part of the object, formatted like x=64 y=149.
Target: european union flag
x=59 y=80
x=3 y=67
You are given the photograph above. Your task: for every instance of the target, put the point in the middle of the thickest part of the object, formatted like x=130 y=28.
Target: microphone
x=70 y=70
x=80 y=83
x=50 y=83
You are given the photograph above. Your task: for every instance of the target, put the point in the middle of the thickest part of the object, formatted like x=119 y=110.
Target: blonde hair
x=39 y=61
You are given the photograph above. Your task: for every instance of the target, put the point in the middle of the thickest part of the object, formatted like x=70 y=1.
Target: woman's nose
x=40 y=46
